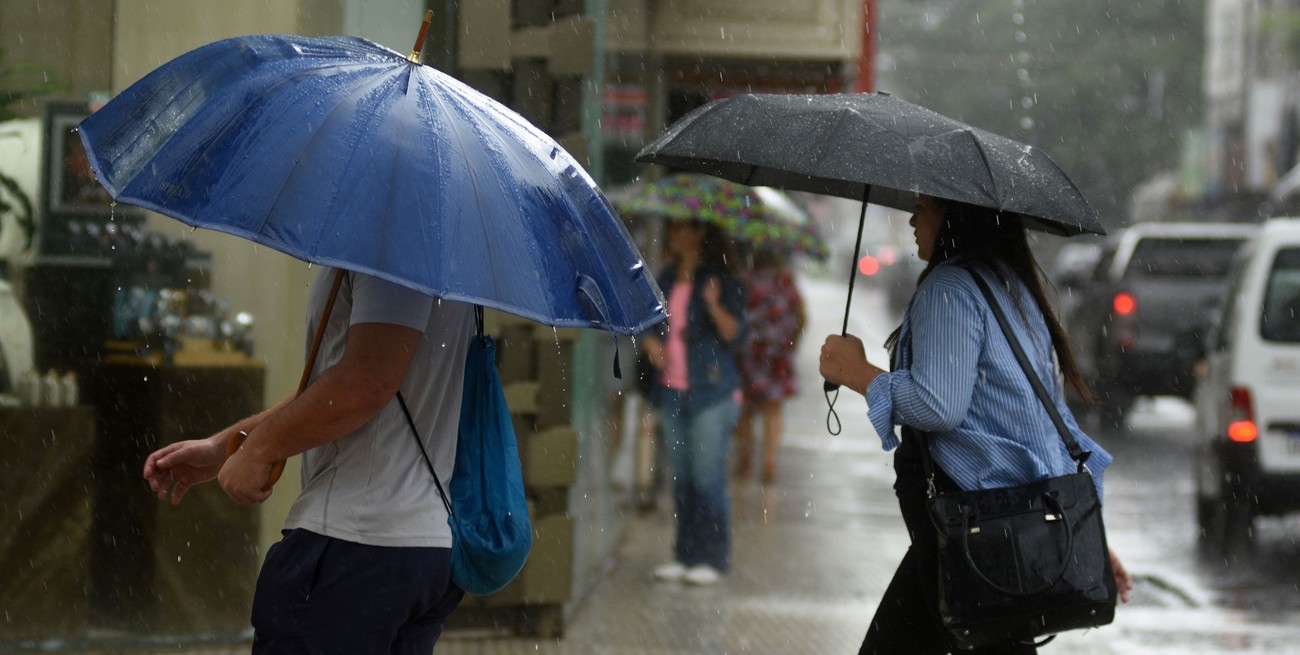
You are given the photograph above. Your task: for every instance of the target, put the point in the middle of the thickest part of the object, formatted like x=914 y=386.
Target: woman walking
x=954 y=377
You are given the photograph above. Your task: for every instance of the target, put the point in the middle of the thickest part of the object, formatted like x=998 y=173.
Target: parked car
x=1074 y=263
x=1248 y=405
x=1139 y=324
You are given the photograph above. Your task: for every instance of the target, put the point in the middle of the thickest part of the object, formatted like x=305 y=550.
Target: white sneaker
x=670 y=572
x=702 y=575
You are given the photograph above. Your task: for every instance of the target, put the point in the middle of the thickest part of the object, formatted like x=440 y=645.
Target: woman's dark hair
x=761 y=257
x=983 y=237
x=719 y=249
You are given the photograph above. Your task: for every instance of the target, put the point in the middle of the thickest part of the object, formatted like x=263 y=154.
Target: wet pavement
x=814 y=551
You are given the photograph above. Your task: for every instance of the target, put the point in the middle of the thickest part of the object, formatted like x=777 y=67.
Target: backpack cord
x=415 y=434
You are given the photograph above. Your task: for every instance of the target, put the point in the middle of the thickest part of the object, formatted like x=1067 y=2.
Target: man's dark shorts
x=321 y=595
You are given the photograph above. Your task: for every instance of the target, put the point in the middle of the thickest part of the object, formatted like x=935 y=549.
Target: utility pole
x=866 y=77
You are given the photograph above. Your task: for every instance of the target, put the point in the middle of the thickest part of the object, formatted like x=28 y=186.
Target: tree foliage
x=1108 y=88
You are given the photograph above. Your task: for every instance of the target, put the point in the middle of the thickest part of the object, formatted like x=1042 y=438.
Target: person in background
x=364 y=565
x=698 y=394
x=954 y=376
x=774 y=313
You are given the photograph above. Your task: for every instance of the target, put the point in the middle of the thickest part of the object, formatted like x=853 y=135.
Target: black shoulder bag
x=1019 y=563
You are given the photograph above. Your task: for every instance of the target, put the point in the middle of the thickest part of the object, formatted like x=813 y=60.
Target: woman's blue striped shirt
x=959 y=381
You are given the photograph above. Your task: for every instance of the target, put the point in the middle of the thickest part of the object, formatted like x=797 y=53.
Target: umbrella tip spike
x=418 y=48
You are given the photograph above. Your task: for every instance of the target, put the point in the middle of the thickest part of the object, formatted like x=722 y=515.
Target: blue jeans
x=698 y=440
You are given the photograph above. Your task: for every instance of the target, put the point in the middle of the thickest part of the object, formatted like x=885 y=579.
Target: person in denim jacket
x=698 y=394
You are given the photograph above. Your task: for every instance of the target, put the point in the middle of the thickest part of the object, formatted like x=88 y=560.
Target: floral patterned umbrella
x=758 y=217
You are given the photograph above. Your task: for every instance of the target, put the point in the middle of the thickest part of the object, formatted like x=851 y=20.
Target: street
x=1186 y=602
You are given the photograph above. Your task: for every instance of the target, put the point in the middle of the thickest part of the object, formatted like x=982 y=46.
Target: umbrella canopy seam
x=324 y=223
x=984 y=156
x=474 y=182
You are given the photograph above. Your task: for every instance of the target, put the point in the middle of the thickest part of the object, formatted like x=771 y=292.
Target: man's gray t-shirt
x=372 y=486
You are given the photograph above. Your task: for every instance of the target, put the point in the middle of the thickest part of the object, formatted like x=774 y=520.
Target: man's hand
x=244 y=478
x=173 y=469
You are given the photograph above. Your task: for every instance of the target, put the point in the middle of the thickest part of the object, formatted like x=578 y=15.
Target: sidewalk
x=812 y=553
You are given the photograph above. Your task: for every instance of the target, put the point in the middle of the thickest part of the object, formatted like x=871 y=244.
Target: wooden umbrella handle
x=236 y=440
x=418 y=48
x=277 y=468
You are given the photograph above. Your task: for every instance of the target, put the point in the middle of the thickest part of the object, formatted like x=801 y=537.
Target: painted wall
x=70 y=39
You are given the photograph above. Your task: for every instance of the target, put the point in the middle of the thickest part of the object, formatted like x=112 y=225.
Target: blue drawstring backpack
x=488 y=513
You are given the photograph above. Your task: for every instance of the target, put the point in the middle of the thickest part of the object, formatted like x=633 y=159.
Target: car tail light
x=868 y=265
x=1124 y=303
x=1124 y=324
x=1241 y=416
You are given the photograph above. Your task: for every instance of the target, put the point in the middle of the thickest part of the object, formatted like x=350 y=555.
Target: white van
x=1248 y=403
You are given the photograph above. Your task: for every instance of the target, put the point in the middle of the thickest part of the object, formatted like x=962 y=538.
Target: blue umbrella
x=345 y=153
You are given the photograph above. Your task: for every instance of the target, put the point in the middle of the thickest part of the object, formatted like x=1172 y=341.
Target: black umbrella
x=872 y=147
x=875 y=148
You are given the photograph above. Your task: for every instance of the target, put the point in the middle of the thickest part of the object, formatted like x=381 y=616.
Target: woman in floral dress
x=774 y=312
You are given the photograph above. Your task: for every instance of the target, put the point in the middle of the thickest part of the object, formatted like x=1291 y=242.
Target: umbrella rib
x=388 y=197
x=842 y=119
x=474 y=182
x=235 y=120
x=419 y=198
x=567 y=200
x=988 y=165
x=311 y=141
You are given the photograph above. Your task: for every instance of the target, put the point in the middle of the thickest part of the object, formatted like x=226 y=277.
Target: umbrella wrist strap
x=415 y=434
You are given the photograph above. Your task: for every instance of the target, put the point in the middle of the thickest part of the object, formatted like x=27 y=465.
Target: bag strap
x=1077 y=453
x=415 y=434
